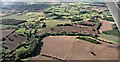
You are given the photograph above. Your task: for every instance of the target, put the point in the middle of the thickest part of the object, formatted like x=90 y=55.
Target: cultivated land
x=6 y=32
x=106 y=25
x=70 y=48
x=58 y=31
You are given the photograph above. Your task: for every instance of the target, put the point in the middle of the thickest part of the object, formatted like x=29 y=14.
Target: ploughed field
x=6 y=32
x=12 y=39
x=88 y=27
x=70 y=48
x=74 y=29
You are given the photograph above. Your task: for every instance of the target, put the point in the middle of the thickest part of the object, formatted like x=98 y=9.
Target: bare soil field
x=13 y=40
x=106 y=26
x=74 y=29
x=57 y=46
x=70 y=48
x=6 y=32
x=83 y=50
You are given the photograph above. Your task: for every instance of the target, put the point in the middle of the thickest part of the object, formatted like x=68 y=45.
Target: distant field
x=16 y=16
x=53 y=23
x=24 y=16
x=7 y=26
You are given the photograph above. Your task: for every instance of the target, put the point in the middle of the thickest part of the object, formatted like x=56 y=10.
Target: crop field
x=24 y=16
x=53 y=23
x=58 y=31
x=13 y=40
x=16 y=16
x=78 y=28
x=73 y=29
x=76 y=49
x=109 y=37
x=114 y=32
x=6 y=32
x=7 y=26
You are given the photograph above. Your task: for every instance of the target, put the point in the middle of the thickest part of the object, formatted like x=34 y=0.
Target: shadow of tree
x=37 y=49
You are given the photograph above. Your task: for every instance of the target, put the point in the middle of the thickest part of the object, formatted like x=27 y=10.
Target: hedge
x=88 y=39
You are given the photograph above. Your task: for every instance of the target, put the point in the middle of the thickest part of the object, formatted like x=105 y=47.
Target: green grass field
x=53 y=23
x=27 y=16
x=110 y=37
x=114 y=32
x=16 y=16
x=7 y=26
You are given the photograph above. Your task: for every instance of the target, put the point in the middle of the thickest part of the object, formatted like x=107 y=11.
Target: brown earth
x=16 y=39
x=106 y=26
x=70 y=48
x=13 y=39
x=89 y=27
x=74 y=29
x=6 y=32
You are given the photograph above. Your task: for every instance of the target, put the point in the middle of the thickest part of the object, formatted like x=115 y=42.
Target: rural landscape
x=57 y=31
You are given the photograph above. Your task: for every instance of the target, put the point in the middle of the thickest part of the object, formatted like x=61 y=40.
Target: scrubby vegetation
x=89 y=39
x=24 y=50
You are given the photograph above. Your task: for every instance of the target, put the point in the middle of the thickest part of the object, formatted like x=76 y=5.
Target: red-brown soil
x=89 y=27
x=70 y=48
x=74 y=29
x=6 y=32
x=13 y=39
x=106 y=26
x=16 y=39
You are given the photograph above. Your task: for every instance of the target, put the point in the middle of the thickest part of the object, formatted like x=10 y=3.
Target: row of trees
x=88 y=39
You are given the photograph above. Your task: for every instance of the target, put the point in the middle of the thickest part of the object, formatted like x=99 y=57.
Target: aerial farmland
x=58 y=31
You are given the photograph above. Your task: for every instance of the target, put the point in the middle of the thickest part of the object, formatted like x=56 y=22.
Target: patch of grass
x=109 y=37
x=24 y=16
x=16 y=16
x=7 y=26
x=114 y=32
x=53 y=23
x=21 y=30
